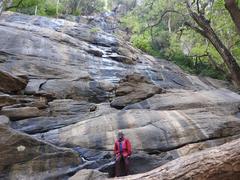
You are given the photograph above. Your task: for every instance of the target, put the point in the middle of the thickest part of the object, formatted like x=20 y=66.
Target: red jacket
x=126 y=148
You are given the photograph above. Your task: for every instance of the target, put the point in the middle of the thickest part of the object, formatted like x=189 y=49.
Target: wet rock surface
x=64 y=83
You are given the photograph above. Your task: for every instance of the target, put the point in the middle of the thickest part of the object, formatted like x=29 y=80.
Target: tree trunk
x=222 y=162
x=169 y=24
x=57 y=8
x=207 y=31
x=234 y=10
x=1 y=7
x=36 y=10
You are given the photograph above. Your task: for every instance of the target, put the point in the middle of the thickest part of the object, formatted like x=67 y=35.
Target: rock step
x=62 y=112
x=187 y=99
x=149 y=130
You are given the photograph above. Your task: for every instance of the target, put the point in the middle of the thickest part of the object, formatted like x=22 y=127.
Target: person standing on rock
x=122 y=151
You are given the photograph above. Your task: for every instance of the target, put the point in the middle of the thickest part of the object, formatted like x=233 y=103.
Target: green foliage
x=95 y=30
x=41 y=7
x=142 y=42
x=51 y=7
x=129 y=4
x=169 y=37
x=83 y=7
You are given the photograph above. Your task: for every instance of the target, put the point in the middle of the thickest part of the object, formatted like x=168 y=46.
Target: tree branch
x=195 y=28
x=161 y=19
x=15 y=6
x=234 y=11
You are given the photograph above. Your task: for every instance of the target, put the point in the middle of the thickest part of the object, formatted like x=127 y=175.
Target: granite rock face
x=149 y=130
x=41 y=160
x=71 y=87
x=182 y=99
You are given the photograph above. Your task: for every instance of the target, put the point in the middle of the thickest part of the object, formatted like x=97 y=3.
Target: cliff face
x=67 y=88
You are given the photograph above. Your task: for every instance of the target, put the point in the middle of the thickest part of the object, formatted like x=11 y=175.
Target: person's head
x=120 y=135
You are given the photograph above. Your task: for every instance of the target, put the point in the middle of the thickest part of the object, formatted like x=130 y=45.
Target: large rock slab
x=70 y=107
x=34 y=85
x=72 y=113
x=134 y=88
x=11 y=83
x=68 y=89
x=44 y=123
x=186 y=99
x=21 y=112
x=22 y=101
x=23 y=157
x=148 y=130
x=69 y=60
x=6 y=100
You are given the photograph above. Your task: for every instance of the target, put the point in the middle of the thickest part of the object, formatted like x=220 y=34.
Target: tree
x=83 y=7
x=215 y=38
x=204 y=28
x=234 y=10
x=4 y=4
x=1 y=6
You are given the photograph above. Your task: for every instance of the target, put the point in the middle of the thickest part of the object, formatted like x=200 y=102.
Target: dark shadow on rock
x=139 y=163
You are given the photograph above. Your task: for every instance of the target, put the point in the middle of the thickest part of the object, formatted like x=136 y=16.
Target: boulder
x=11 y=83
x=70 y=89
x=33 y=86
x=24 y=157
x=21 y=112
x=133 y=88
x=70 y=107
x=6 y=100
x=4 y=120
x=22 y=101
